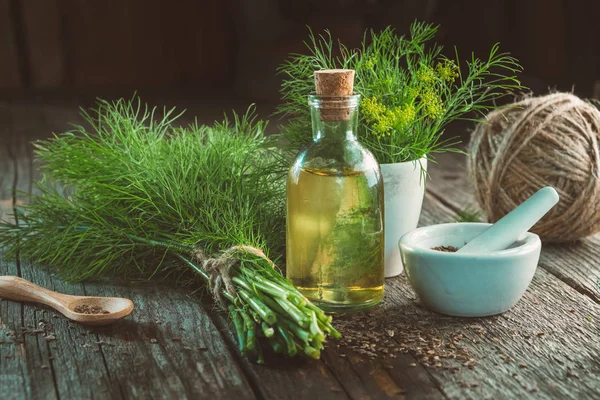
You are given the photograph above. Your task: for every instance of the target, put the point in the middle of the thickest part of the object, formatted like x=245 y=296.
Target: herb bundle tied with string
x=131 y=196
x=410 y=91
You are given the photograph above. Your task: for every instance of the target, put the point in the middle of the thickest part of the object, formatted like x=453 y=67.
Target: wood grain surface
x=175 y=346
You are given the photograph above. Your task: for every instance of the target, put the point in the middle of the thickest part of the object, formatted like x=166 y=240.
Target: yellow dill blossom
x=413 y=92
x=432 y=104
x=425 y=74
x=384 y=126
x=404 y=116
x=370 y=63
x=384 y=120
x=447 y=71
x=377 y=115
x=372 y=109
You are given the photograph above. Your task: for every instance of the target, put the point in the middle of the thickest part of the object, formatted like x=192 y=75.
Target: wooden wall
x=236 y=45
x=114 y=43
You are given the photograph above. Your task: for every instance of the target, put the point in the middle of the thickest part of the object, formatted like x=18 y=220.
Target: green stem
x=272 y=304
x=197 y=269
x=269 y=287
x=267 y=330
x=261 y=309
x=291 y=346
x=296 y=330
x=260 y=358
x=168 y=245
x=250 y=331
x=240 y=281
x=239 y=329
x=298 y=316
x=314 y=325
x=312 y=352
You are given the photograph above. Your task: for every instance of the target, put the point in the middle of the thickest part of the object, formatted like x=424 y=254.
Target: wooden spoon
x=15 y=288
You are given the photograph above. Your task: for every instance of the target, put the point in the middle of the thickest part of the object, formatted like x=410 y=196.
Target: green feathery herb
x=468 y=214
x=410 y=91
x=136 y=198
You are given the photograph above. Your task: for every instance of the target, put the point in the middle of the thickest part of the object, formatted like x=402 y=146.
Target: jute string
x=549 y=140
x=219 y=268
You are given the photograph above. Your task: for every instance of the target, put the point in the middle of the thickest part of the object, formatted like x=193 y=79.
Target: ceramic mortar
x=465 y=284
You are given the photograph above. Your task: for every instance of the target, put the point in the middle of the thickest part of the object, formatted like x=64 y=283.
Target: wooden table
x=176 y=347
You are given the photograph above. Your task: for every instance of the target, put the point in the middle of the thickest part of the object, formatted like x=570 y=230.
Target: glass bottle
x=335 y=238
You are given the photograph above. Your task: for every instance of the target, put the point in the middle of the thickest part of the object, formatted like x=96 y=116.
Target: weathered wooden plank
x=123 y=361
x=109 y=61
x=10 y=76
x=15 y=382
x=542 y=335
x=12 y=378
x=288 y=379
x=575 y=263
x=133 y=361
x=553 y=331
x=6 y=167
x=335 y=377
x=385 y=377
x=76 y=373
x=169 y=348
x=340 y=374
x=41 y=357
x=42 y=26
x=19 y=354
x=144 y=45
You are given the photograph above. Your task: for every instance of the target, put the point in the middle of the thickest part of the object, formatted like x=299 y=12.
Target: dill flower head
x=377 y=115
x=425 y=74
x=385 y=120
x=410 y=91
x=432 y=104
x=405 y=116
x=369 y=63
x=447 y=70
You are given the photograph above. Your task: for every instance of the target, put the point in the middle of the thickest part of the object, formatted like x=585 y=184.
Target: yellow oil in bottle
x=335 y=237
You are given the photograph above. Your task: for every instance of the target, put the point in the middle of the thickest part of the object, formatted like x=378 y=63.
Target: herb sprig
x=410 y=91
x=130 y=196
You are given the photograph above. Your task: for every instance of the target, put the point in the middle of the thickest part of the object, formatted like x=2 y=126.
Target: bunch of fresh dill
x=410 y=91
x=133 y=197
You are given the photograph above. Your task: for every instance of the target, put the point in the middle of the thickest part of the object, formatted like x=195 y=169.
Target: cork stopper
x=333 y=83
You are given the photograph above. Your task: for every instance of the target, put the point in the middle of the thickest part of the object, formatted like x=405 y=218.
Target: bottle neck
x=334 y=119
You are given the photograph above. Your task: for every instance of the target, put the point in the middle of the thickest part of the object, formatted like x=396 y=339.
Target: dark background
x=226 y=51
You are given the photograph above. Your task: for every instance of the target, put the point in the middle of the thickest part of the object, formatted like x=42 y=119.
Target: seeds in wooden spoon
x=86 y=309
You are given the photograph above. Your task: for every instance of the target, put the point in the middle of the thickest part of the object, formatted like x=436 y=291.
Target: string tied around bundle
x=219 y=268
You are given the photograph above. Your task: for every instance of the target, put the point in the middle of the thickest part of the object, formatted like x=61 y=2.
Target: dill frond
x=410 y=91
x=129 y=196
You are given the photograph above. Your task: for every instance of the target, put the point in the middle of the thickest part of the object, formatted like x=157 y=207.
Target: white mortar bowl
x=467 y=285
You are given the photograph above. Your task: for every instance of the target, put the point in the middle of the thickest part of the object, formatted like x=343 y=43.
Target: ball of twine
x=541 y=141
